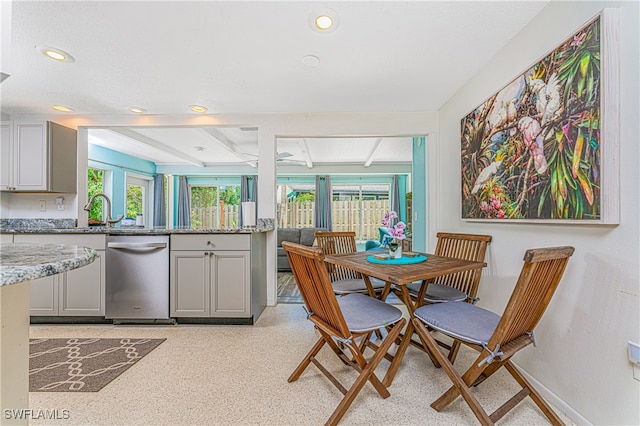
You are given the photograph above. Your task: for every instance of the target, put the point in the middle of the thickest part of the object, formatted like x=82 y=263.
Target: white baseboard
x=552 y=398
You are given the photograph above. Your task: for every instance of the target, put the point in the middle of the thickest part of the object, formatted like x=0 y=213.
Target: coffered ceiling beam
x=158 y=145
x=376 y=145
x=230 y=145
x=305 y=151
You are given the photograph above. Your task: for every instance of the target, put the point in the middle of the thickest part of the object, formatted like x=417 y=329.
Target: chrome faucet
x=110 y=220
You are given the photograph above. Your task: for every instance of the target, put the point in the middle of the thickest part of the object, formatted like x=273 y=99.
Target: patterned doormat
x=82 y=365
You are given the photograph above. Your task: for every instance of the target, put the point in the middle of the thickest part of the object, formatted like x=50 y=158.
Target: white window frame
x=146 y=183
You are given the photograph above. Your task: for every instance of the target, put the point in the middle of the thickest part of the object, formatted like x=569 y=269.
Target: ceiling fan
x=282 y=157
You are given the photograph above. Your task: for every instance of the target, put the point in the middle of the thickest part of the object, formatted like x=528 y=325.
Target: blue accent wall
x=419 y=194
x=118 y=164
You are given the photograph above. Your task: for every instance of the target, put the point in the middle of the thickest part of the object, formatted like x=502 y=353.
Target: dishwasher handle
x=136 y=245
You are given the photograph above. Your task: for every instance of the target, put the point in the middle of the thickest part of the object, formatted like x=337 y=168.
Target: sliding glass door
x=215 y=206
x=359 y=208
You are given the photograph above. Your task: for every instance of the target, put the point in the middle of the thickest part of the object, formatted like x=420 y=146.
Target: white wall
x=582 y=340
x=21 y=206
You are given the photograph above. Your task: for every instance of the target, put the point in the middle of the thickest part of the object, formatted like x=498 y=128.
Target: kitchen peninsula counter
x=19 y=264
x=27 y=261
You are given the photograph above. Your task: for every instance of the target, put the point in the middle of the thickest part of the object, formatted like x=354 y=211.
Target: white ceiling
x=246 y=57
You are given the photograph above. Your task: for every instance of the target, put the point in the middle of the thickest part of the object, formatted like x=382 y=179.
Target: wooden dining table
x=400 y=275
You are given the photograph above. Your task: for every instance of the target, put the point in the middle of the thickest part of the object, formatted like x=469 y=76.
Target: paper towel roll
x=249 y=214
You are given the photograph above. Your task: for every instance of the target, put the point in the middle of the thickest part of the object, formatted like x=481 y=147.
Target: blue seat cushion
x=363 y=313
x=460 y=320
x=355 y=285
x=438 y=293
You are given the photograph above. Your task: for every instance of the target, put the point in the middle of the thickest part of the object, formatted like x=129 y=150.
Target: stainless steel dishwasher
x=137 y=282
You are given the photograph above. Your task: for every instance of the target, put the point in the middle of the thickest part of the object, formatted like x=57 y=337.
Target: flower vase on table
x=396 y=233
x=395 y=250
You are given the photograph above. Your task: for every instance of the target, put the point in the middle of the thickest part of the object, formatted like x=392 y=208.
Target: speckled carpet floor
x=229 y=375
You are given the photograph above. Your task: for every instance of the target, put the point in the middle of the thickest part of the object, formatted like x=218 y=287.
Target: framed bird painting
x=544 y=147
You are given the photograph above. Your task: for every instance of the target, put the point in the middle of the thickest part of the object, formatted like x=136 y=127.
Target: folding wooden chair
x=461 y=286
x=496 y=338
x=344 y=280
x=341 y=320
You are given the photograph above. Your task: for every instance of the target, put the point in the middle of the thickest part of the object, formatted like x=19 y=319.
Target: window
x=216 y=206
x=359 y=208
x=95 y=185
x=295 y=205
x=138 y=200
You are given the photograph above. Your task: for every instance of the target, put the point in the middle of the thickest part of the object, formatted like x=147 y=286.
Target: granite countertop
x=64 y=226
x=133 y=231
x=27 y=261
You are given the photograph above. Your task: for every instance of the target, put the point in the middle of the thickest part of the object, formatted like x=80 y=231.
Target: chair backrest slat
x=310 y=272
x=338 y=243
x=538 y=280
x=463 y=246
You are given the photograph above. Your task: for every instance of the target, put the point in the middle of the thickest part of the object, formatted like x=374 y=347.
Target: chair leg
x=366 y=375
x=307 y=360
x=397 y=358
x=537 y=398
x=453 y=351
x=459 y=386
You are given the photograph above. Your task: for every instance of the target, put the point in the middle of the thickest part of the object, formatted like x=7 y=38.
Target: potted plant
x=396 y=233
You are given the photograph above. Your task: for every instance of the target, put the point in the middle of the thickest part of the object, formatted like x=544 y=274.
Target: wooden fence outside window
x=345 y=216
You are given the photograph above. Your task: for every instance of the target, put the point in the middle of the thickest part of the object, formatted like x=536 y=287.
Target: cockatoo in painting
x=504 y=107
x=486 y=174
x=530 y=129
x=548 y=97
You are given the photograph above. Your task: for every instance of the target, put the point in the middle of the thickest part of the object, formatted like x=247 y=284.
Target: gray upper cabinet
x=38 y=157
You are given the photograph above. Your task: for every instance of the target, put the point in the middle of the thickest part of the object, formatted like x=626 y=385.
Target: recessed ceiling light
x=311 y=61
x=199 y=109
x=55 y=53
x=324 y=20
x=62 y=108
x=137 y=110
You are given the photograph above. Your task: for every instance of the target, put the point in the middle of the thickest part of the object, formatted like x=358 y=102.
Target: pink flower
x=493 y=209
x=397 y=231
x=578 y=39
x=387 y=217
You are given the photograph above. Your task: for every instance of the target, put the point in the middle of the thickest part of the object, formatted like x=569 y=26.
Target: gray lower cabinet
x=79 y=292
x=211 y=283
